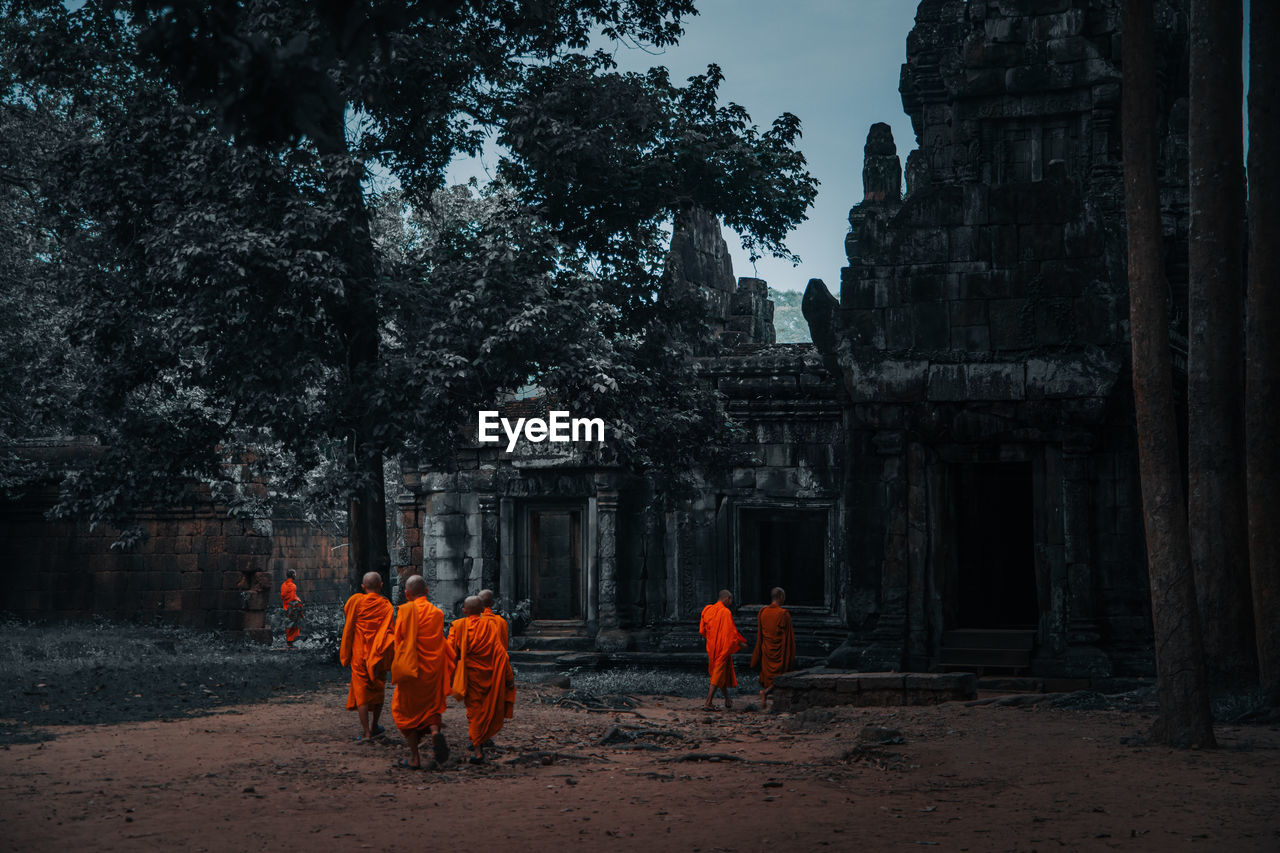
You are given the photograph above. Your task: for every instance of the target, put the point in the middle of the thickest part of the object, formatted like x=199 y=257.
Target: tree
x=1181 y=686
x=1215 y=366
x=1262 y=380
x=242 y=295
x=39 y=367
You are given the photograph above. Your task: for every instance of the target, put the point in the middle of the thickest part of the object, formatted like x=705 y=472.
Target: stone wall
x=983 y=319
x=197 y=567
x=319 y=557
x=649 y=570
x=789 y=457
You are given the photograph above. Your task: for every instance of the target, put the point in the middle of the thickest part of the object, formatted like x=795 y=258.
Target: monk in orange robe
x=289 y=599
x=486 y=601
x=723 y=641
x=775 y=651
x=484 y=680
x=366 y=649
x=422 y=669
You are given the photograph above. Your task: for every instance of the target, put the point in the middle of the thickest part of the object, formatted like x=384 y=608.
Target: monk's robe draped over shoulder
x=775 y=651
x=484 y=680
x=503 y=627
x=723 y=640
x=367 y=620
x=421 y=666
x=288 y=595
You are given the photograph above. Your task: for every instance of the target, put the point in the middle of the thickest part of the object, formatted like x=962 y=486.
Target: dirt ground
x=285 y=773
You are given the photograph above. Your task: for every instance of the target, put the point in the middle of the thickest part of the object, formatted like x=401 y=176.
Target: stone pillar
x=883 y=647
x=507 y=552
x=408 y=555
x=487 y=504
x=671 y=554
x=593 y=565
x=610 y=638
x=917 y=545
x=1083 y=633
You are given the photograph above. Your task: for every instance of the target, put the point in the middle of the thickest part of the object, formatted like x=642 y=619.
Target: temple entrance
x=786 y=548
x=995 y=546
x=554 y=561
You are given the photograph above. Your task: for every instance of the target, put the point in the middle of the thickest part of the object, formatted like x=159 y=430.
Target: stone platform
x=820 y=686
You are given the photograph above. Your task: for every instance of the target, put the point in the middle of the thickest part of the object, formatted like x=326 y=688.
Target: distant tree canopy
x=221 y=276
x=788 y=321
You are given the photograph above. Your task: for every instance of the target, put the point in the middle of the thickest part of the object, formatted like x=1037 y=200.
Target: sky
x=833 y=63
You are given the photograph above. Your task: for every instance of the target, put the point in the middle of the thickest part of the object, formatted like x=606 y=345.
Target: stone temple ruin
x=948 y=478
x=982 y=338
x=603 y=572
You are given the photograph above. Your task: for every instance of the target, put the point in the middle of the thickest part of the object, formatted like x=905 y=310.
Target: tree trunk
x=356 y=316
x=1215 y=364
x=1262 y=399
x=1181 y=686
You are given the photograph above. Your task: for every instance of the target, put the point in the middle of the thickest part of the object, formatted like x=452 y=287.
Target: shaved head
x=415 y=587
x=372 y=582
x=472 y=606
x=486 y=597
x=291 y=574
x=778 y=594
x=726 y=596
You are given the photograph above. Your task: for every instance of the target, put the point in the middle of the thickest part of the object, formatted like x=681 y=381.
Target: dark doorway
x=995 y=546
x=786 y=548
x=555 y=563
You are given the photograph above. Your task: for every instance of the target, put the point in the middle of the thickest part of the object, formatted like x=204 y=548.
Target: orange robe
x=502 y=626
x=288 y=595
x=484 y=680
x=775 y=651
x=723 y=640
x=421 y=667
x=367 y=618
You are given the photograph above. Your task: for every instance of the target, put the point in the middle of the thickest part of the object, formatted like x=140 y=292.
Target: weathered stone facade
x=578 y=539
x=197 y=567
x=948 y=479
x=982 y=337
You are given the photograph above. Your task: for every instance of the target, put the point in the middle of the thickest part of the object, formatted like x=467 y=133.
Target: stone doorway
x=784 y=547
x=554 y=561
x=995 y=546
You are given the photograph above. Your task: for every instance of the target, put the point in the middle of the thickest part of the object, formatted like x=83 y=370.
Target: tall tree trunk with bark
x=1182 y=685
x=356 y=315
x=1215 y=380
x=1262 y=383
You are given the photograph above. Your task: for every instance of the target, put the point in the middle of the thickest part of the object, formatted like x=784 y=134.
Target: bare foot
x=440 y=747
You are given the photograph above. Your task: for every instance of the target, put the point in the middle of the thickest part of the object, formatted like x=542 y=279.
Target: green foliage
x=788 y=320
x=227 y=287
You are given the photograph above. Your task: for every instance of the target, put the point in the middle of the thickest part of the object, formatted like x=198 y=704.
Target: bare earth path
x=286 y=775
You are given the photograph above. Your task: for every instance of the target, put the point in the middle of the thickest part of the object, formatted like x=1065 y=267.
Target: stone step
x=975 y=638
x=535 y=666
x=820 y=687
x=542 y=641
x=557 y=658
x=691 y=660
x=534 y=655
x=525 y=662
x=556 y=628
x=986 y=658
